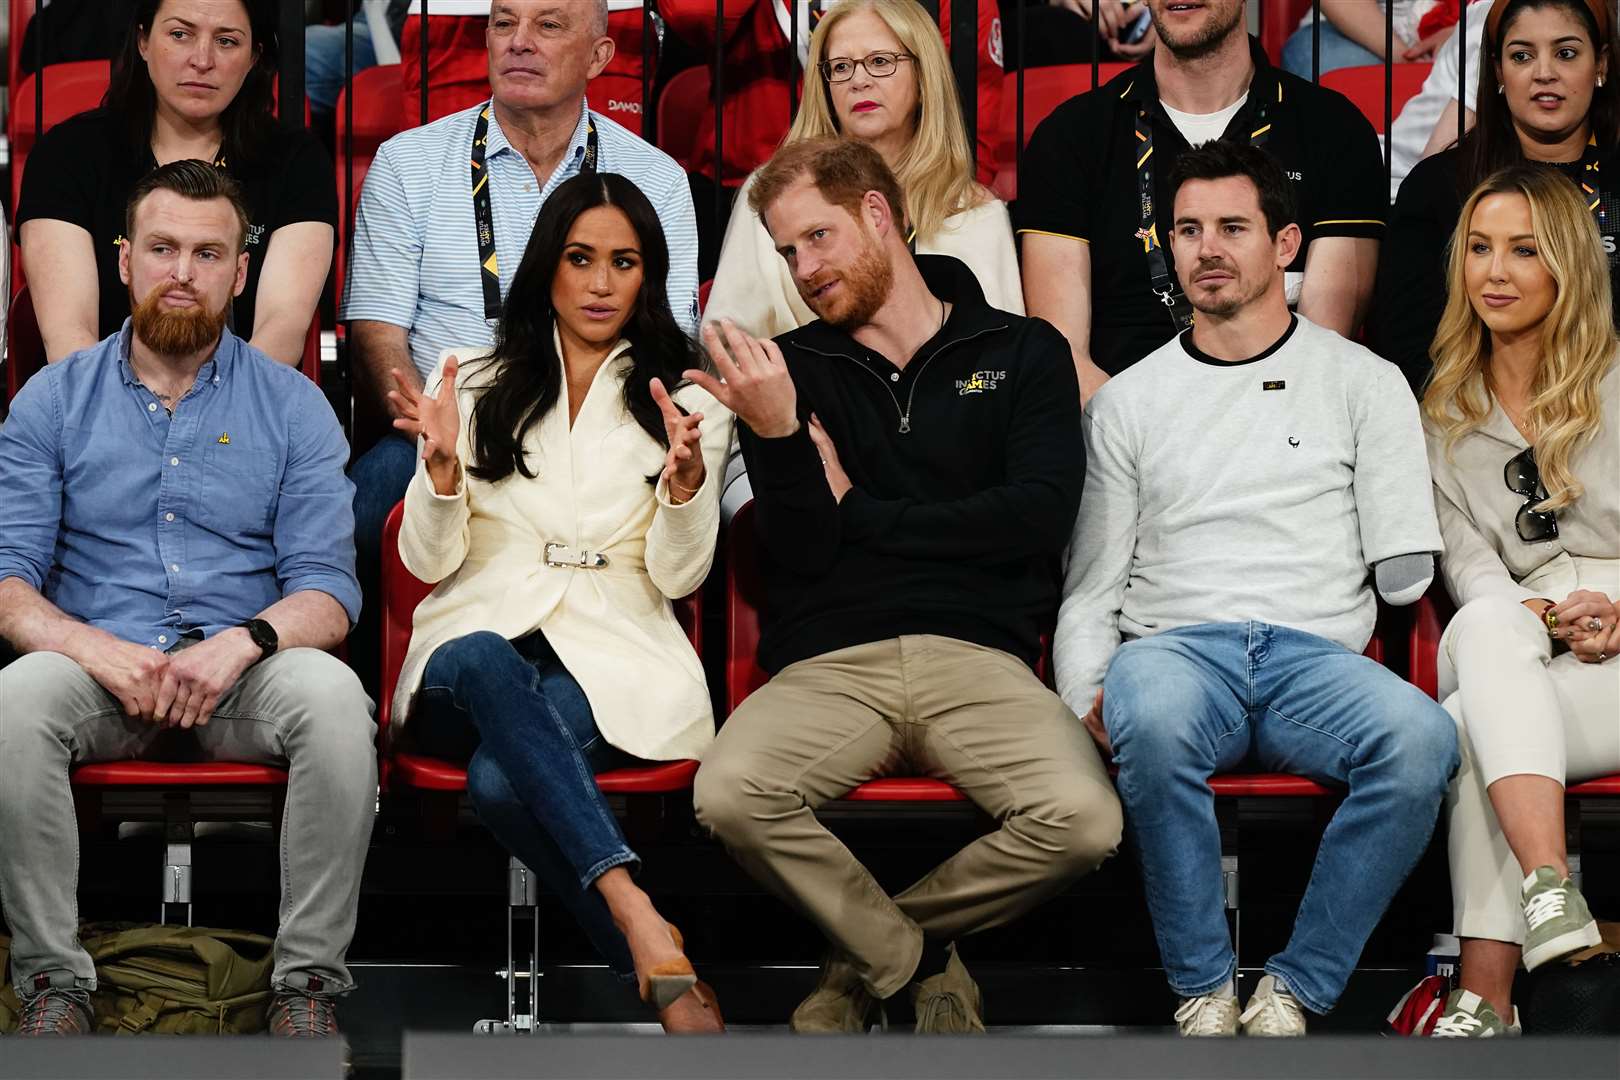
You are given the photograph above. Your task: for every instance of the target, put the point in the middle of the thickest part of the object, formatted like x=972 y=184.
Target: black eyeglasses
x=879 y=65
x=1523 y=478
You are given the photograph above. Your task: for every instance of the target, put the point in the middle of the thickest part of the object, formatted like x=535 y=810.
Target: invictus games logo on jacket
x=979 y=382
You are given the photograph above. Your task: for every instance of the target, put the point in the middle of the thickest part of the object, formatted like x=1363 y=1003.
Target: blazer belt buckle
x=571 y=559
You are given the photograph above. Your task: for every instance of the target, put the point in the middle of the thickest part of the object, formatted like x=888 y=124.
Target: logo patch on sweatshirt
x=1274 y=384
x=979 y=382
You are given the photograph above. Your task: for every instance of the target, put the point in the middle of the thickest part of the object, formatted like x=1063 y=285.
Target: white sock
x=1226 y=991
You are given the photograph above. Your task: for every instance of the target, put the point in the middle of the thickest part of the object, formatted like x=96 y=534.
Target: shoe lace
x=940 y=1009
x=1276 y=1011
x=54 y=1010
x=1458 y=1025
x=1204 y=1015
x=305 y=1016
x=1543 y=906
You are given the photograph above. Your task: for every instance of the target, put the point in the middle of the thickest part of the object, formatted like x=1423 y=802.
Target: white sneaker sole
x=1562 y=945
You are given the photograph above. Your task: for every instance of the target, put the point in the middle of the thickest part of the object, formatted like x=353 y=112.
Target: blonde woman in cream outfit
x=911 y=116
x=567 y=492
x=1523 y=420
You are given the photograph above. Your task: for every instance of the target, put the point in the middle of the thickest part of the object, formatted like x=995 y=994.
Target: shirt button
x=163 y=639
x=174 y=461
x=894 y=376
x=174 y=568
x=168 y=517
x=151 y=406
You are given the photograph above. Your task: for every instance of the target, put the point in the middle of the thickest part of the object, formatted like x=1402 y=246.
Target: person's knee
x=319 y=688
x=469 y=661
x=1420 y=744
x=1152 y=702
x=727 y=799
x=32 y=697
x=1080 y=826
x=1488 y=617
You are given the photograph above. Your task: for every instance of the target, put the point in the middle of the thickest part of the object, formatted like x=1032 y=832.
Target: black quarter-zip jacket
x=967 y=466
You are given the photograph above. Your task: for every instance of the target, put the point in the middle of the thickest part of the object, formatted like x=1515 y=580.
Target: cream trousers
x=1519 y=710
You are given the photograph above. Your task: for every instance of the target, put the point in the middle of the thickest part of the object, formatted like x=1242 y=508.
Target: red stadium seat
x=444 y=782
x=680 y=109
x=70 y=89
x=21 y=12
x=1278 y=21
x=377 y=118
x=1364 y=86
x=25 y=349
x=1045 y=88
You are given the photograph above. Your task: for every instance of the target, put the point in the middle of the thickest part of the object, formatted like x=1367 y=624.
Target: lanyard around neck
x=484 y=215
x=1163 y=279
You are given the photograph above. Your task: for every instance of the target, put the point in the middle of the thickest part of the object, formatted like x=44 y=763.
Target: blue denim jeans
x=324 y=61
x=515 y=714
x=1186 y=704
x=1338 y=51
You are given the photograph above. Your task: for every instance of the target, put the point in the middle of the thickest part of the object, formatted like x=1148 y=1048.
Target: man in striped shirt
x=435 y=253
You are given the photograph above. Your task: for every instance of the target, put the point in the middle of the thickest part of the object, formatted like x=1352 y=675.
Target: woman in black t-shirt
x=195 y=79
x=1545 y=95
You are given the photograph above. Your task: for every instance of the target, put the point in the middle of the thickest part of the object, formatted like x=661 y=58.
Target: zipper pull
x=905 y=423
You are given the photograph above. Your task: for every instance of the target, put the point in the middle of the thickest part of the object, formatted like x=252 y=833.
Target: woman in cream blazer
x=563 y=500
x=1523 y=419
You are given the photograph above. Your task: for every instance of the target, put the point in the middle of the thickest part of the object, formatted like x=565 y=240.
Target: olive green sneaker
x=949 y=1003
x=1556 y=918
x=840 y=1003
x=1469 y=1016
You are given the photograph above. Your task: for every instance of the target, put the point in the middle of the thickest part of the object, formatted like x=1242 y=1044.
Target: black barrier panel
x=1051 y=1057
x=172 y=1057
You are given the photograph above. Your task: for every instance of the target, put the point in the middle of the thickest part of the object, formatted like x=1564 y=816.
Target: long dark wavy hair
x=525 y=378
x=1493 y=144
x=248 y=121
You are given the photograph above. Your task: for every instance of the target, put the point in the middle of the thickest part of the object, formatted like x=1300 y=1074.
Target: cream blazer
x=752 y=286
x=1484 y=555
x=613 y=628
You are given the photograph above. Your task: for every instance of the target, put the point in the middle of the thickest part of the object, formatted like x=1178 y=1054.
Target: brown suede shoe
x=949 y=1003
x=840 y=1003
x=56 y=1012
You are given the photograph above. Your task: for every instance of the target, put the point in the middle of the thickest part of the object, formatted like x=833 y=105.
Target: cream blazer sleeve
x=681 y=539
x=433 y=535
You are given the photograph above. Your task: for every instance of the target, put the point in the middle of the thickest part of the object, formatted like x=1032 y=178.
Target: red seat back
x=1364 y=86
x=21 y=12
x=1278 y=20
x=70 y=89
x=1045 y=88
x=25 y=349
x=680 y=110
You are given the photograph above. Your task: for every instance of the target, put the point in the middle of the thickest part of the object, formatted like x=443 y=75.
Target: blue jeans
x=323 y=61
x=1338 y=51
x=380 y=478
x=521 y=721
x=1185 y=704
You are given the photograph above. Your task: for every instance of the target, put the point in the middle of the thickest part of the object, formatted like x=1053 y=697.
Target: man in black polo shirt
x=1094 y=180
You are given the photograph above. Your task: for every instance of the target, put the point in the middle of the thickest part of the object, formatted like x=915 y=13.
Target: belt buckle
x=564 y=556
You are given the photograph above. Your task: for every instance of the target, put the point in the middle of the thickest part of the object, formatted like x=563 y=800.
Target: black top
x=953 y=527
x=83 y=170
x=1079 y=179
x=1411 y=292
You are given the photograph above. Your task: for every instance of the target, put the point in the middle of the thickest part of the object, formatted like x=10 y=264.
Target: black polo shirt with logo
x=1079 y=179
x=83 y=170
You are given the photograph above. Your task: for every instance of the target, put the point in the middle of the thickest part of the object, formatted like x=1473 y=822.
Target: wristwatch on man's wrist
x=264 y=636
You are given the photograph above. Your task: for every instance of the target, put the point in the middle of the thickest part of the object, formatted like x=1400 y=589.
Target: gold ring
x=1551 y=618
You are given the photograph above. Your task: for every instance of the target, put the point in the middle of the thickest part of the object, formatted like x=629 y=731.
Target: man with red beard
x=176 y=552
x=917 y=459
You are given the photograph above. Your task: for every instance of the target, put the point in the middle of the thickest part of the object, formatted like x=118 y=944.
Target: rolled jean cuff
x=298 y=982
x=1291 y=984
x=623 y=857
x=1208 y=988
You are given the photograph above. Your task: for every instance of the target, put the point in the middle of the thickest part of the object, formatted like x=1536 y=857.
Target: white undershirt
x=1200 y=128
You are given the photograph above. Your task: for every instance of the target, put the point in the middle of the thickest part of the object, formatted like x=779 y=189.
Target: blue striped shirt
x=415 y=258
x=151 y=526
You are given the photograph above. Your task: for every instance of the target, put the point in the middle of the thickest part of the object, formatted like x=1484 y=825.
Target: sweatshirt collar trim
x=1202 y=357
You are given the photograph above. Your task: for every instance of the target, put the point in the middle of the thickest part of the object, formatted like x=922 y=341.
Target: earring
x=1500 y=88
x=1600 y=82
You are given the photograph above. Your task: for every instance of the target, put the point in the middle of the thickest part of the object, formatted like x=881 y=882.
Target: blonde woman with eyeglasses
x=877 y=72
x=1523 y=419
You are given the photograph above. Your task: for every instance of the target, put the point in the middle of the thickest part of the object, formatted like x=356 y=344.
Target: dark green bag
x=172 y=980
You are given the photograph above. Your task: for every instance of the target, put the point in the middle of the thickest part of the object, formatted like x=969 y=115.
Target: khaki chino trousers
x=913 y=706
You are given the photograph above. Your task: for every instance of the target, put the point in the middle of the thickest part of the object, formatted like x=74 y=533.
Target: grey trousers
x=301 y=709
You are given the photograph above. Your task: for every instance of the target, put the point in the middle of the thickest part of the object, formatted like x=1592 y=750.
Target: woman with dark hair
x=568 y=491
x=1544 y=96
x=195 y=79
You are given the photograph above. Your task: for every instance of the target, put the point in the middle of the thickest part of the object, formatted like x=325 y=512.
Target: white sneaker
x=1207 y=1016
x=1273 y=1012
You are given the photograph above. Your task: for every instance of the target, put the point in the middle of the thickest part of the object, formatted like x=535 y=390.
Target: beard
x=177 y=332
x=1202 y=42
x=1233 y=298
x=867 y=282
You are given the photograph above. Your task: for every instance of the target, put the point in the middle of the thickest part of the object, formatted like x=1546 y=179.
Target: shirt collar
x=495 y=142
x=619 y=353
x=1143 y=89
x=216 y=367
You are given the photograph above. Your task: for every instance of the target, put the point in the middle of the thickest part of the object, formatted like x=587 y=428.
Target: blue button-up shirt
x=415 y=260
x=151 y=526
